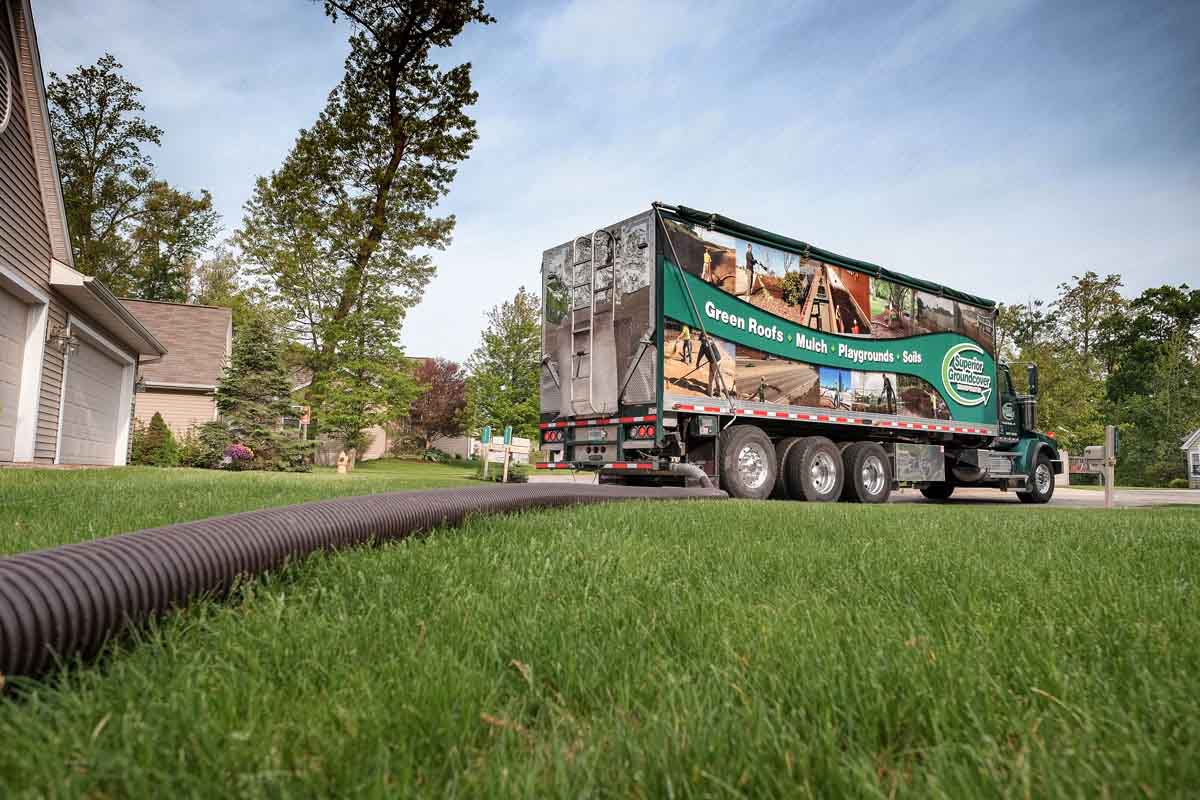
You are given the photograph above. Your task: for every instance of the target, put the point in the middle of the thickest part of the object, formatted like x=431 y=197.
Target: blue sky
x=997 y=147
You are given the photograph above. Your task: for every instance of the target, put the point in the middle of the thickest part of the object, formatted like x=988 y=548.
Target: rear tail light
x=641 y=431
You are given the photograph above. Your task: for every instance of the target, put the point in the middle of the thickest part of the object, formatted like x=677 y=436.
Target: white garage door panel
x=14 y=316
x=90 y=418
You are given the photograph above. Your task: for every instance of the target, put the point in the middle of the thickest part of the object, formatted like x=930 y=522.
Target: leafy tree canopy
x=504 y=369
x=132 y=231
x=439 y=411
x=341 y=232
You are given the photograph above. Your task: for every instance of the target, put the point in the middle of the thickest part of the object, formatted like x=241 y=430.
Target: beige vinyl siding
x=32 y=89
x=24 y=240
x=182 y=411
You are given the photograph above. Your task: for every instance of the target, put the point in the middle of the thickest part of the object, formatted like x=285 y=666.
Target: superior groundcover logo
x=964 y=374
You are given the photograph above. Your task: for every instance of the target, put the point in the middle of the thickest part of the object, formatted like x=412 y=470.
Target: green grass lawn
x=658 y=650
x=43 y=508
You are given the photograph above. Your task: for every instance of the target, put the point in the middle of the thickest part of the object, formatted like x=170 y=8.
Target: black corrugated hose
x=66 y=602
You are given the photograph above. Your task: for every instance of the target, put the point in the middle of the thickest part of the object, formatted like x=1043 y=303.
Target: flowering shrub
x=237 y=456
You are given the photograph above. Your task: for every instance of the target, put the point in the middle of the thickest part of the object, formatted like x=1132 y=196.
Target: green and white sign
x=962 y=372
x=965 y=375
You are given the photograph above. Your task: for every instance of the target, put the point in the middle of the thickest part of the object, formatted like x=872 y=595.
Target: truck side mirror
x=1032 y=374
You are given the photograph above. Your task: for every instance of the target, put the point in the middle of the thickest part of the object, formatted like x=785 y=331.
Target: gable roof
x=198 y=340
x=1192 y=441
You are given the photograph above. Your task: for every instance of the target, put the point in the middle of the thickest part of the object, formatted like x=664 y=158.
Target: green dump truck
x=679 y=344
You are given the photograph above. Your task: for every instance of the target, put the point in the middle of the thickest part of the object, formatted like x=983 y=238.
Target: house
x=69 y=349
x=180 y=385
x=1191 y=449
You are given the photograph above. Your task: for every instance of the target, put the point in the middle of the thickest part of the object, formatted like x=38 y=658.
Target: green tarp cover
x=734 y=228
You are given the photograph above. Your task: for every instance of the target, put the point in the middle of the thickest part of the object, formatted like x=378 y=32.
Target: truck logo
x=1008 y=413
x=964 y=374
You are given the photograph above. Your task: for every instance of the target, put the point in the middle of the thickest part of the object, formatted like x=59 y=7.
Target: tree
x=100 y=136
x=1152 y=352
x=439 y=411
x=371 y=383
x=217 y=281
x=1022 y=327
x=505 y=368
x=134 y=232
x=1132 y=340
x=340 y=232
x=254 y=393
x=1083 y=305
x=172 y=230
x=154 y=445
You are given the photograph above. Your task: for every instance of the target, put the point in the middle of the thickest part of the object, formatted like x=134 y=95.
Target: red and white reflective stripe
x=588 y=423
x=613 y=465
x=921 y=426
x=881 y=423
x=757 y=412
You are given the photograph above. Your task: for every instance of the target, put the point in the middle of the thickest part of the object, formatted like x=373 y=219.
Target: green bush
x=517 y=473
x=154 y=444
x=1178 y=483
x=435 y=455
x=204 y=446
x=793 y=288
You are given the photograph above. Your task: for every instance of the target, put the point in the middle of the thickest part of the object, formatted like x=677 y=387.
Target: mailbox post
x=1110 y=463
x=485 y=436
x=1102 y=460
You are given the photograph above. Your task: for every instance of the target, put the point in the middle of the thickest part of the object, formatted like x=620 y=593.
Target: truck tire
x=938 y=491
x=1041 y=482
x=868 y=473
x=747 y=463
x=783 y=448
x=815 y=471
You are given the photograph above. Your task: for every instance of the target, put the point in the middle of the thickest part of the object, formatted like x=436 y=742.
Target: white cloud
x=606 y=33
x=914 y=136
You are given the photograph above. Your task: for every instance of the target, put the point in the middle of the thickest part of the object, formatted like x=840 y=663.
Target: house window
x=1196 y=463
x=6 y=95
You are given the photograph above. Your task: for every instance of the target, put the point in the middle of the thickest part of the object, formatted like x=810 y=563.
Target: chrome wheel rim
x=752 y=466
x=823 y=473
x=872 y=475
x=1044 y=478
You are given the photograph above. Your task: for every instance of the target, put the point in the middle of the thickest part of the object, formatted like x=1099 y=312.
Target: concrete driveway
x=1064 y=496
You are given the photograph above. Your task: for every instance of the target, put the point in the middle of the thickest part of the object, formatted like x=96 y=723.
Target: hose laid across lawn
x=68 y=601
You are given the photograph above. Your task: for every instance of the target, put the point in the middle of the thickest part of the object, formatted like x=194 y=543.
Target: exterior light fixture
x=64 y=340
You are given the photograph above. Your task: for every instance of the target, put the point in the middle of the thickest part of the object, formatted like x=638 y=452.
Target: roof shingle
x=197 y=339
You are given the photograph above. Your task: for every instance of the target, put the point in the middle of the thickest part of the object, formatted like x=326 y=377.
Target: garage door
x=13 y=317
x=90 y=407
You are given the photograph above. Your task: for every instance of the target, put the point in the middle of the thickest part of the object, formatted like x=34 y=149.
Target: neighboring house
x=68 y=349
x=180 y=386
x=1191 y=449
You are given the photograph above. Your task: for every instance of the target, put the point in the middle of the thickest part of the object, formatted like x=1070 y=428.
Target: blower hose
x=66 y=602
